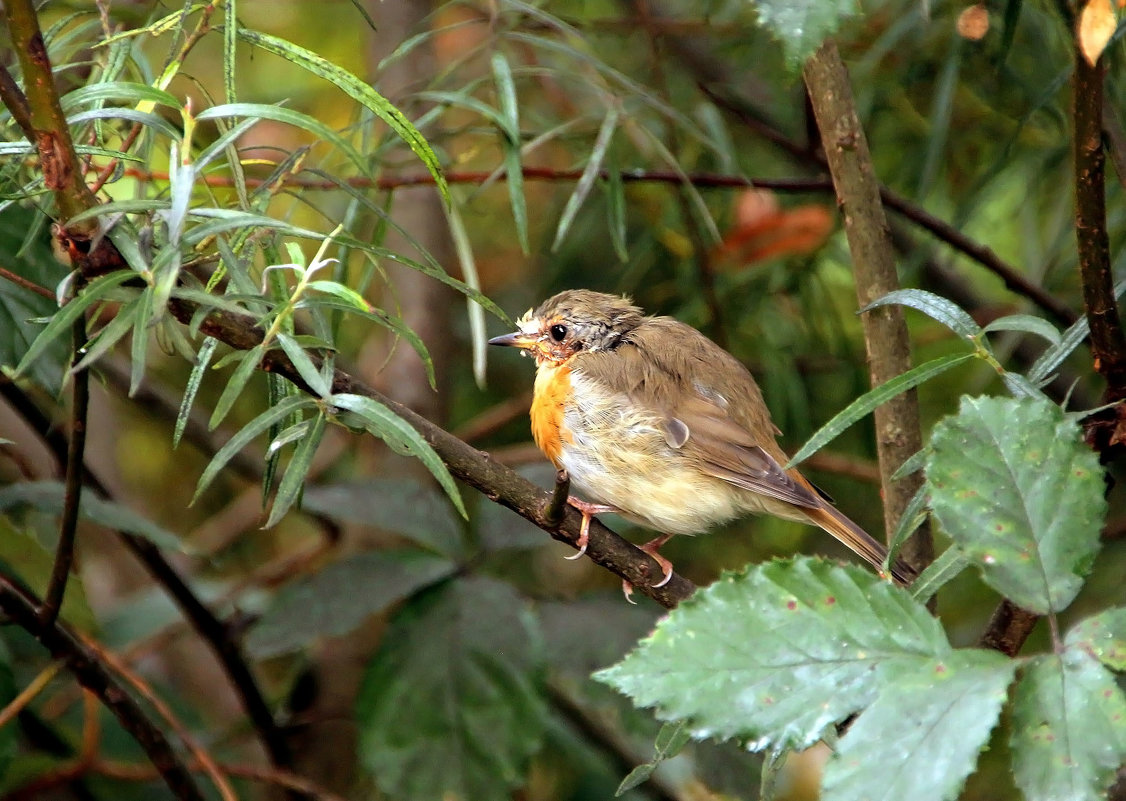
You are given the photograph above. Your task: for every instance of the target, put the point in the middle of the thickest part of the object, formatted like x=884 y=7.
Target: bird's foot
x=651 y=548
x=588 y=511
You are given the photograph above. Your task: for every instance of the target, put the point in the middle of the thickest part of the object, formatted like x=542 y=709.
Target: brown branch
x=1008 y=628
x=19 y=280
x=93 y=675
x=1108 y=343
x=15 y=101
x=898 y=434
x=279 y=778
x=72 y=494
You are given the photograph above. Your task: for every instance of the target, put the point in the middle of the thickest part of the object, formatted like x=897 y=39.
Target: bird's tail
x=859 y=541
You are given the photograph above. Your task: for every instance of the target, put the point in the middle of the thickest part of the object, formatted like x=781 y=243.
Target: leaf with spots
x=1014 y=486
x=1069 y=728
x=921 y=737
x=1103 y=636
x=778 y=654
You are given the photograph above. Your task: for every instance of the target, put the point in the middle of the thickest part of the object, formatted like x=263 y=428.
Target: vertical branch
x=873 y=258
x=1108 y=344
x=76 y=448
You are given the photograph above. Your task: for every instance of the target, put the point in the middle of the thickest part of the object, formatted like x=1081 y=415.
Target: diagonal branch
x=92 y=674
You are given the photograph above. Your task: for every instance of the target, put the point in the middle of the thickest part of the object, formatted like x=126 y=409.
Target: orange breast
x=553 y=387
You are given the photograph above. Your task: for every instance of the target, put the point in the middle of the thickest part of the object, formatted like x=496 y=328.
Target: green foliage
x=802 y=25
x=462 y=659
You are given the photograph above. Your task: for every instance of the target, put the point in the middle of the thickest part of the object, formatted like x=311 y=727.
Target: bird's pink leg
x=666 y=566
x=588 y=510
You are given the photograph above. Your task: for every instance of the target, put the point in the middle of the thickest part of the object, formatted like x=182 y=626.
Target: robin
x=654 y=421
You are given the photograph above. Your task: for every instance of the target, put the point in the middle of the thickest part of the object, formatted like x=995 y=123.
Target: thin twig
x=19 y=280
x=279 y=778
x=898 y=433
x=92 y=673
x=72 y=493
x=15 y=101
x=28 y=693
x=553 y=511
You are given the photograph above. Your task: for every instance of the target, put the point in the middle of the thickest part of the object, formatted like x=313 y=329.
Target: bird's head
x=570 y=322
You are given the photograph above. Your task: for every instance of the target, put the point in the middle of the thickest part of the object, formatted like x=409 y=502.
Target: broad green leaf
x=1103 y=636
x=23 y=554
x=97 y=290
x=411 y=509
x=1014 y=485
x=248 y=362
x=339 y=598
x=936 y=307
x=778 y=654
x=869 y=401
x=802 y=25
x=47 y=496
x=460 y=657
x=246 y=434
x=1069 y=728
x=295 y=472
x=1028 y=324
x=921 y=737
x=396 y=431
x=358 y=90
x=949 y=564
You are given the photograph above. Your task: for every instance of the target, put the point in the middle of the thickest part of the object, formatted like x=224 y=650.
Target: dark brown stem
x=92 y=674
x=553 y=512
x=15 y=101
x=1008 y=628
x=31 y=286
x=72 y=494
x=898 y=433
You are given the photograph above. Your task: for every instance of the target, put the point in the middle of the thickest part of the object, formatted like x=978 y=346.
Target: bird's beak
x=517 y=339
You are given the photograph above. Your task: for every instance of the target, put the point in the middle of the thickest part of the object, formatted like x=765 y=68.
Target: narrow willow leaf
x=230 y=51
x=228 y=219
x=947 y=566
x=387 y=425
x=358 y=90
x=114 y=331
x=910 y=519
x=912 y=464
x=153 y=121
x=1013 y=483
x=118 y=90
x=1069 y=728
x=202 y=360
x=247 y=363
x=936 y=307
x=591 y=172
x=464 y=250
x=868 y=402
x=245 y=435
x=936 y=721
x=295 y=472
x=616 y=204
x=510 y=114
x=228 y=138
x=1103 y=636
x=305 y=367
x=139 y=353
x=97 y=290
x=134 y=206
x=778 y=654
x=1028 y=324
x=1072 y=338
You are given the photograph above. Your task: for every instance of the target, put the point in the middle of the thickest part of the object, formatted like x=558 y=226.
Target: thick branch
x=22 y=609
x=898 y=435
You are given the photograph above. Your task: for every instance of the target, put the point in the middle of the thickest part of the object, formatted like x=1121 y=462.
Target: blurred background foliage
x=408 y=653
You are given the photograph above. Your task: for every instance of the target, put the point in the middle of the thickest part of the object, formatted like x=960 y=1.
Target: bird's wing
x=709 y=404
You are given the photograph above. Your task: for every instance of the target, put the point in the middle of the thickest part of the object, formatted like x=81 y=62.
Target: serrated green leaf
x=802 y=25
x=65 y=317
x=358 y=90
x=1069 y=728
x=938 y=308
x=869 y=401
x=248 y=362
x=459 y=656
x=295 y=472
x=948 y=565
x=1103 y=636
x=203 y=359
x=1014 y=485
x=921 y=737
x=778 y=654
x=246 y=434
x=304 y=365
x=388 y=426
x=327 y=604
x=47 y=496
x=1028 y=324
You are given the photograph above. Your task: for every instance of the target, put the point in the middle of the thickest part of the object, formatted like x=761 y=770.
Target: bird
x=652 y=420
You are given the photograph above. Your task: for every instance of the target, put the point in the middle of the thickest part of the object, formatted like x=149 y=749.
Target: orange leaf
x=1096 y=26
x=763 y=231
x=973 y=22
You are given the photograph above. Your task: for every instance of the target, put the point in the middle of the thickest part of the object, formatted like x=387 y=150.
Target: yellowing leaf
x=1096 y=26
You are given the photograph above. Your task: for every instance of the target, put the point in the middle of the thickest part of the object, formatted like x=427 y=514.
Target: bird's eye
x=558 y=332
